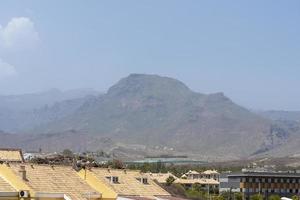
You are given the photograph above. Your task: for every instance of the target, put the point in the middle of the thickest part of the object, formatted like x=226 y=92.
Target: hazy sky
x=250 y=50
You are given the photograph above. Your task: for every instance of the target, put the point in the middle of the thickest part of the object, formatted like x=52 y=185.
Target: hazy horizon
x=250 y=51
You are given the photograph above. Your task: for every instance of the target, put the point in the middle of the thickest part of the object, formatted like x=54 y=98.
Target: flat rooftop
x=265 y=174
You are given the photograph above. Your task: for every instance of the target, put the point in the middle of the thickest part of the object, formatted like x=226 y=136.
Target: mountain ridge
x=162 y=115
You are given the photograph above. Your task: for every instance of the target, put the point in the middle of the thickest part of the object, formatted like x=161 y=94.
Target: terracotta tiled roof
x=5 y=186
x=11 y=155
x=129 y=183
x=55 y=179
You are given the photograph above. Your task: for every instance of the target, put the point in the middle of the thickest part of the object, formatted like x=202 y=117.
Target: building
x=211 y=174
x=268 y=183
x=129 y=184
x=208 y=174
x=161 y=177
x=206 y=184
x=45 y=182
x=7 y=191
x=11 y=155
x=227 y=185
x=191 y=174
x=25 y=181
x=207 y=180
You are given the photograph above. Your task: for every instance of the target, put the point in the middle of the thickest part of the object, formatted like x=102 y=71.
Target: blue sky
x=250 y=50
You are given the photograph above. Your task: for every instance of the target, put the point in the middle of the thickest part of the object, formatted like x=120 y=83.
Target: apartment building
x=268 y=183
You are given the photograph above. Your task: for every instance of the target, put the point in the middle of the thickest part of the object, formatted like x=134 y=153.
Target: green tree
x=274 y=197
x=295 y=197
x=219 y=197
x=256 y=197
x=239 y=196
x=225 y=194
x=193 y=194
x=117 y=164
x=67 y=153
x=170 y=180
x=146 y=167
x=196 y=187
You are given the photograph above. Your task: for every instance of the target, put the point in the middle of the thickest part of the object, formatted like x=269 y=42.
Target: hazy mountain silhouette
x=151 y=114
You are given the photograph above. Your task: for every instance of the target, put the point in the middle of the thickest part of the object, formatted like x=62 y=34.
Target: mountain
x=164 y=114
x=286 y=125
x=153 y=115
x=281 y=115
x=19 y=112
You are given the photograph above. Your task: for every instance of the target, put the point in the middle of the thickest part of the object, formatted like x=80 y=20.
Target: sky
x=249 y=50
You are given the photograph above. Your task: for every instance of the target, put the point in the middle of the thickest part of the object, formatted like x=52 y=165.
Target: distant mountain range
x=147 y=115
x=280 y=115
x=21 y=112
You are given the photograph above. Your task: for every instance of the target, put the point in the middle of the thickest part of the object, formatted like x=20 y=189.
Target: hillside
x=281 y=115
x=162 y=113
x=151 y=115
x=20 y=112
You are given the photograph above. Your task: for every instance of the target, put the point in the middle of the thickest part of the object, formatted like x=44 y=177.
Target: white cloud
x=6 y=70
x=19 y=33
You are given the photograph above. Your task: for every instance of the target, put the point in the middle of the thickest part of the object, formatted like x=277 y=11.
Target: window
x=269 y=190
x=144 y=180
x=269 y=180
x=115 y=179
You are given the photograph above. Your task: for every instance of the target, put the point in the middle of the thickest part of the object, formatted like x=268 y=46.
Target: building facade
x=266 y=184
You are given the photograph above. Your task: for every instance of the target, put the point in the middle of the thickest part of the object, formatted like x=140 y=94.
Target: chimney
x=22 y=171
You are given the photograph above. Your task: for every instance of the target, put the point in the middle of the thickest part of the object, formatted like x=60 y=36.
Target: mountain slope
x=20 y=112
x=281 y=115
x=162 y=113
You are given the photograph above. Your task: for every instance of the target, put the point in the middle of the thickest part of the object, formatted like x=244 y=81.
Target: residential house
x=126 y=183
x=11 y=155
x=45 y=182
